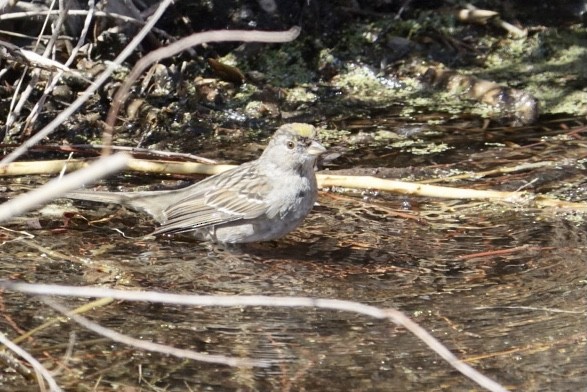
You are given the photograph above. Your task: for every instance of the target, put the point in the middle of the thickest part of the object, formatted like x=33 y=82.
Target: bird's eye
x=290 y=145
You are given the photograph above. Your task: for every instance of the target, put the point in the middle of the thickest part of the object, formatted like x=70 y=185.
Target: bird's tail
x=153 y=203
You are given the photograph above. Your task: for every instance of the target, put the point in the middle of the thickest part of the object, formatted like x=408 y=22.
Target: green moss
x=300 y=95
x=420 y=147
x=285 y=65
x=244 y=94
x=333 y=136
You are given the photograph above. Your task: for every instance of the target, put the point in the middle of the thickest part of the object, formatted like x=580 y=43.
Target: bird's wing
x=223 y=200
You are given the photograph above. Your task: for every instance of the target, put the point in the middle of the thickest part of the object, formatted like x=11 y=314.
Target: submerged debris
x=515 y=106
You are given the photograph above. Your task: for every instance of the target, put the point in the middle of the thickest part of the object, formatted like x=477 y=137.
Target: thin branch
x=32 y=56
x=179 y=46
x=500 y=170
x=74 y=106
x=527 y=199
x=55 y=78
x=417 y=189
x=60 y=186
x=532 y=308
x=155 y=347
x=103 y=14
x=39 y=368
x=259 y=300
x=53 y=321
x=139 y=165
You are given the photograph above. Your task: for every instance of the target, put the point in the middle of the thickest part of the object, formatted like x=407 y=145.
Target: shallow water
x=503 y=286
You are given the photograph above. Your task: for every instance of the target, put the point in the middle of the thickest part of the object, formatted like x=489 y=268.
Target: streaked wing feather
x=220 y=204
x=190 y=222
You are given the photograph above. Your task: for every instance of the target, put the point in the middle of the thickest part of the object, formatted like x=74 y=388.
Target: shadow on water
x=502 y=286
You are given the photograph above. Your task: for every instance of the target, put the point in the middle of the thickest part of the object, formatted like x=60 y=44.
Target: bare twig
x=532 y=308
x=179 y=46
x=417 y=189
x=85 y=148
x=143 y=151
x=28 y=14
x=39 y=368
x=472 y=14
x=112 y=66
x=139 y=165
x=500 y=170
x=97 y=14
x=60 y=186
x=56 y=28
x=55 y=78
x=32 y=59
x=155 y=347
x=259 y=300
x=527 y=199
x=55 y=321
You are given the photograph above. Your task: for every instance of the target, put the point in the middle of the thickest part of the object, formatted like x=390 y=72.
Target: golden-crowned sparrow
x=261 y=200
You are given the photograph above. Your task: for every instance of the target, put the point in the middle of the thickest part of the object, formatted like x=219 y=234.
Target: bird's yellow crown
x=303 y=130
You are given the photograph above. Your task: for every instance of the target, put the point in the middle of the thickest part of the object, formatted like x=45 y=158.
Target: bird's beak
x=316 y=148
